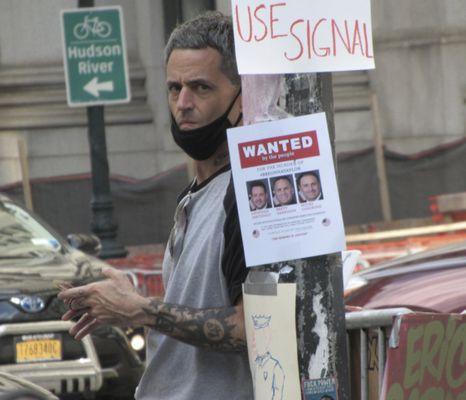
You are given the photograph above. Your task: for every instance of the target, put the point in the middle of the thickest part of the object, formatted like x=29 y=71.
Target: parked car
x=34 y=342
x=15 y=388
x=430 y=281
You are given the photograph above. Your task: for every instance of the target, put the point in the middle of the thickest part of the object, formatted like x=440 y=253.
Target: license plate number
x=43 y=347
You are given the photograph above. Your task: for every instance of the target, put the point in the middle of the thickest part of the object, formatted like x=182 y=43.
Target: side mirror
x=89 y=244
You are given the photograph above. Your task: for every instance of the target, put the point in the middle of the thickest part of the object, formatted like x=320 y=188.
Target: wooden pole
x=406 y=233
x=380 y=161
x=320 y=314
x=24 y=163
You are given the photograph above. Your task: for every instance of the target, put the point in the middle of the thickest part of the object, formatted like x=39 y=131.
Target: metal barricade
x=368 y=332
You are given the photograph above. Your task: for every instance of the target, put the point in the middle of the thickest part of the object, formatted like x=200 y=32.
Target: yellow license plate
x=38 y=350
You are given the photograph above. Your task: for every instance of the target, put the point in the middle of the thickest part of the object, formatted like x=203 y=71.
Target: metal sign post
x=96 y=72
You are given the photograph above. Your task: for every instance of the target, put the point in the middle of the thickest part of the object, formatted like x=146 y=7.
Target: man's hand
x=113 y=301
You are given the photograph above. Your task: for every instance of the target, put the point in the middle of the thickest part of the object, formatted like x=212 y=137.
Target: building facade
x=419 y=83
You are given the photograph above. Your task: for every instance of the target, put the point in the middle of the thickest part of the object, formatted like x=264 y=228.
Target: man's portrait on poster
x=258 y=195
x=309 y=186
x=283 y=191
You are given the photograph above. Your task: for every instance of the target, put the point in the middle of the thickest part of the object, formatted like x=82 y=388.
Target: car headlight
x=137 y=342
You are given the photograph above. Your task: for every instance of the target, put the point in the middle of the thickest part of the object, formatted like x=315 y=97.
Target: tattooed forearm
x=220 y=329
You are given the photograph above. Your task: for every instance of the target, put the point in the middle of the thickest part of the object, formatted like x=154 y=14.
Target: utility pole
x=102 y=223
x=320 y=313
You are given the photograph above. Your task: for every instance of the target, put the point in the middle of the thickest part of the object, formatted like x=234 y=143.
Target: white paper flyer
x=286 y=189
x=272 y=349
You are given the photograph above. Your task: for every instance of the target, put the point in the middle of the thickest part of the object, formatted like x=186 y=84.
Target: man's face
x=198 y=91
x=283 y=191
x=258 y=196
x=309 y=187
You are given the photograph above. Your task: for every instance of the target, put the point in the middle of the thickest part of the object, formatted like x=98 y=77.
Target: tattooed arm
x=220 y=329
x=115 y=301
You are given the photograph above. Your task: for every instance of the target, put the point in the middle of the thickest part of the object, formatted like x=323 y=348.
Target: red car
x=430 y=281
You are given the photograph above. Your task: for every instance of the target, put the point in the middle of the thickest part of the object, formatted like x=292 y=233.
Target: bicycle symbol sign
x=94 y=56
x=92 y=26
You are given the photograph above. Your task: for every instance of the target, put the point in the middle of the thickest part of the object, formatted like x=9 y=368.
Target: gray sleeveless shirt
x=204 y=269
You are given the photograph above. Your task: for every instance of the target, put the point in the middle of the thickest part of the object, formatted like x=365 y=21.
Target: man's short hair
x=211 y=29
x=257 y=183
x=312 y=173
x=286 y=178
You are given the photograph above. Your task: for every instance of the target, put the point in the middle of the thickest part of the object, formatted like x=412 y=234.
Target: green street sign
x=94 y=55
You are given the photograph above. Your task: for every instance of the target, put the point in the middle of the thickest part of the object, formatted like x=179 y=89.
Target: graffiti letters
x=435 y=362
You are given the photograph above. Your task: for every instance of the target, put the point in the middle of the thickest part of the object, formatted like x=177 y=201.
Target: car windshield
x=21 y=236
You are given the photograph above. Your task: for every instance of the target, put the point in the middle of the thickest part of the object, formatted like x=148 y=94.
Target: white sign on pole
x=297 y=36
x=286 y=189
x=270 y=322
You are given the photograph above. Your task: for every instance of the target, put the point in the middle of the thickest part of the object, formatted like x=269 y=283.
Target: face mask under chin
x=201 y=143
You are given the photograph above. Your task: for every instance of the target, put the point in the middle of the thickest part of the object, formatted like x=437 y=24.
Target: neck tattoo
x=222 y=159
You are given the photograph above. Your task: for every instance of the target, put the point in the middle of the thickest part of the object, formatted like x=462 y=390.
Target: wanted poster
x=286 y=189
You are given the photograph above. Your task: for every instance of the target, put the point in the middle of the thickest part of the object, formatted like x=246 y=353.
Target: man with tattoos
x=196 y=340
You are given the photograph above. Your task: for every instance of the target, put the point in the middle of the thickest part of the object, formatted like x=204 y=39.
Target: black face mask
x=201 y=143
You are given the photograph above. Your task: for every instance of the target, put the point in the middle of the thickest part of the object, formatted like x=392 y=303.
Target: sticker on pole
x=286 y=189
x=94 y=56
x=319 y=389
x=293 y=36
